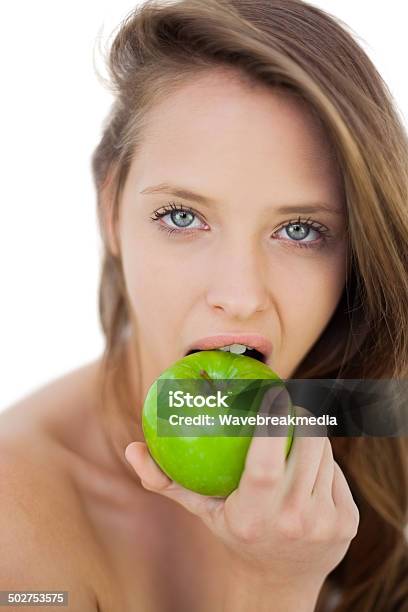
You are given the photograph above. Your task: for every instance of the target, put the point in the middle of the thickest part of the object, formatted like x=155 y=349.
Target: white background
x=52 y=107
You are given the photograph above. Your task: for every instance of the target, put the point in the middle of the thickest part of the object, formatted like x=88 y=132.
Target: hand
x=289 y=522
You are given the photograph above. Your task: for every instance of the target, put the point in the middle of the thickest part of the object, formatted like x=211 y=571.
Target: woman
x=251 y=179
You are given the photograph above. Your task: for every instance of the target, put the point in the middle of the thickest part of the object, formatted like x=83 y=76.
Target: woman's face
x=233 y=260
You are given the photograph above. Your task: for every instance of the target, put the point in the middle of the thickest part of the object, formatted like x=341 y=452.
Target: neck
x=121 y=406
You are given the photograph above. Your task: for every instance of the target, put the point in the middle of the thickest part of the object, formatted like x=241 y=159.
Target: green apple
x=210 y=463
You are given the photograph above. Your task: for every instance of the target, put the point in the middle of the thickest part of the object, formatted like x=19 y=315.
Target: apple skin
x=210 y=465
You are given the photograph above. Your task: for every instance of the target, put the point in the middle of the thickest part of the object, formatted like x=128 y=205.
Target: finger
x=322 y=488
x=264 y=469
x=153 y=479
x=342 y=496
x=348 y=512
x=302 y=467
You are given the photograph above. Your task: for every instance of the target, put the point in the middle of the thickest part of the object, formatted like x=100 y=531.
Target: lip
x=256 y=341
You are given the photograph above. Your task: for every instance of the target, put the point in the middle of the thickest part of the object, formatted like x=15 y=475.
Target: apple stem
x=205 y=375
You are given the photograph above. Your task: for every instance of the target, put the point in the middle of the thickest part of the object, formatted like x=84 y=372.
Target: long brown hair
x=291 y=44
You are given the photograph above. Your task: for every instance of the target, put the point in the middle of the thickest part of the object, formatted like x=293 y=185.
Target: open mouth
x=248 y=353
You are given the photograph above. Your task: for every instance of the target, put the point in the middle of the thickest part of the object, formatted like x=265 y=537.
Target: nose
x=238 y=284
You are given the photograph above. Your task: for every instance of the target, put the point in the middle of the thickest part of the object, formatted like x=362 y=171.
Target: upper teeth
x=235 y=348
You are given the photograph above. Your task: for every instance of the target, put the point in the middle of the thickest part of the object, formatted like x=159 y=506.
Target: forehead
x=223 y=99
x=220 y=118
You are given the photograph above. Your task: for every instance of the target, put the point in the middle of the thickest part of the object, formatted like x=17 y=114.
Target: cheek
x=156 y=277
x=308 y=300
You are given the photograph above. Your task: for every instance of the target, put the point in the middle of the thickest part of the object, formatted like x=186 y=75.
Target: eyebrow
x=187 y=194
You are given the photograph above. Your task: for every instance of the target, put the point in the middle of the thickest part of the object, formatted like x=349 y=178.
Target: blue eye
x=180 y=215
x=297 y=230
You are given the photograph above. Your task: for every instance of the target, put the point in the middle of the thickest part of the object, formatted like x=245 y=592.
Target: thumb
x=152 y=477
x=155 y=480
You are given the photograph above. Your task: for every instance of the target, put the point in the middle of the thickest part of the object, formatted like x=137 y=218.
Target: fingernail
x=127 y=453
x=146 y=486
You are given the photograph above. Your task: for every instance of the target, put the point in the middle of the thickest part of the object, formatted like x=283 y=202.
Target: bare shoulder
x=45 y=542
x=40 y=539
x=69 y=519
